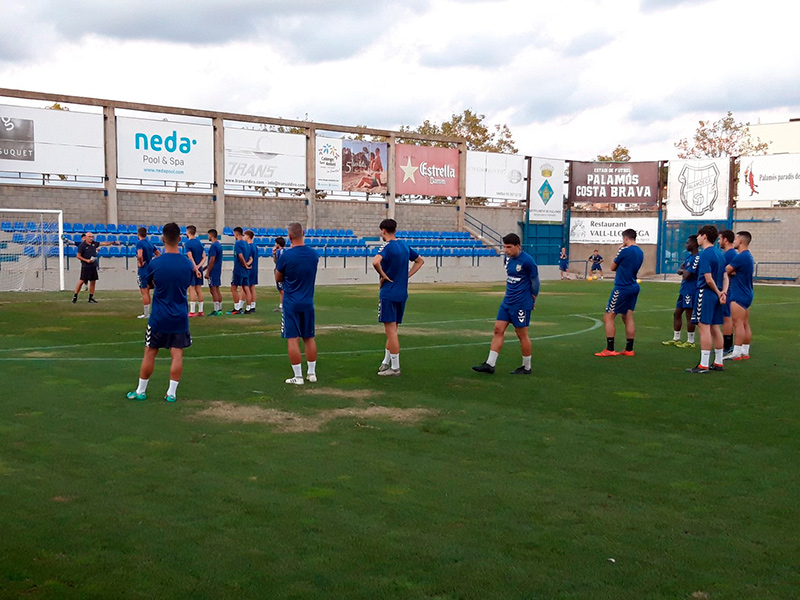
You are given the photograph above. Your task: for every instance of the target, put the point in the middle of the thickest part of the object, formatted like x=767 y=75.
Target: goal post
x=32 y=249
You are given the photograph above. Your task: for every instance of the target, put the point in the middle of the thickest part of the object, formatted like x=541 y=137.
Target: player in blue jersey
x=168 y=326
x=214 y=271
x=522 y=288
x=740 y=270
x=686 y=294
x=277 y=250
x=297 y=269
x=197 y=255
x=726 y=239
x=249 y=237
x=241 y=273
x=712 y=287
x=391 y=263
x=145 y=252
x=622 y=300
x=563 y=264
x=597 y=264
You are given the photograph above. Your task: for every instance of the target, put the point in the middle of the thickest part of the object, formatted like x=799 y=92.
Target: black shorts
x=155 y=339
x=89 y=272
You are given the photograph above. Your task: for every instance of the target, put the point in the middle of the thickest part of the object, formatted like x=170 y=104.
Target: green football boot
x=134 y=396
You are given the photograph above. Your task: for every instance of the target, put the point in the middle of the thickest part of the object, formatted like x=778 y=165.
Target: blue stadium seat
x=111 y=228
x=18 y=238
x=19 y=226
x=261 y=231
x=114 y=251
x=350 y=233
x=152 y=229
x=131 y=250
x=111 y=238
x=31 y=226
x=31 y=251
x=71 y=251
x=227 y=231
x=78 y=228
x=103 y=251
x=6 y=226
x=183 y=229
x=101 y=228
x=101 y=237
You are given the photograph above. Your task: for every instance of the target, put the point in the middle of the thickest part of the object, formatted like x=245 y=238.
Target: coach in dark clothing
x=87 y=254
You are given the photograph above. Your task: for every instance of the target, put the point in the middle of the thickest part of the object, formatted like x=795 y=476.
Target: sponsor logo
x=514 y=176
x=699 y=188
x=328 y=155
x=16 y=139
x=160 y=144
x=521 y=316
x=437 y=175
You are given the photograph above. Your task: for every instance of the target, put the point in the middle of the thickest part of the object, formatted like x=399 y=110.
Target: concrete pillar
x=110 y=144
x=219 y=174
x=462 y=186
x=391 y=159
x=311 y=178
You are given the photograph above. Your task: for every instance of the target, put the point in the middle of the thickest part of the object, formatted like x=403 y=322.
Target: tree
x=619 y=154
x=724 y=137
x=470 y=126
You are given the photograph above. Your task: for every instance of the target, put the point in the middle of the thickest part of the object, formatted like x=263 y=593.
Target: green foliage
x=723 y=137
x=470 y=126
x=619 y=154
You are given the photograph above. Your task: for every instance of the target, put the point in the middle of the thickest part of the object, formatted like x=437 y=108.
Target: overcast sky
x=571 y=79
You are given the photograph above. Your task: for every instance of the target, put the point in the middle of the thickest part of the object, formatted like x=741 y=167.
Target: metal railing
x=785 y=271
x=485 y=231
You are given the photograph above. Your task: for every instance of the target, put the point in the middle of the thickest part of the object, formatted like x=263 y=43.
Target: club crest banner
x=774 y=177
x=57 y=142
x=494 y=175
x=426 y=171
x=329 y=163
x=547 y=190
x=698 y=190
x=265 y=158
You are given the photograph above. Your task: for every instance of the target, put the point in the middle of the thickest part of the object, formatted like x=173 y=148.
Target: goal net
x=31 y=250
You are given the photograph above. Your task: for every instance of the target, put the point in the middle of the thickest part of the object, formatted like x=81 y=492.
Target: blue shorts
x=240 y=280
x=141 y=278
x=743 y=301
x=297 y=323
x=726 y=308
x=195 y=280
x=253 y=277
x=279 y=286
x=597 y=267
x=707 y=309
x=623 y=299
x=685 y=301
x=154 y=339
x=518 y=317
x=216 y=279
x=390 y=311
x=563 y=265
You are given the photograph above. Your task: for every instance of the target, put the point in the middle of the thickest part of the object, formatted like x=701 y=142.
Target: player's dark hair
x=249 y=233
x=745 y=235
x=709 y=231
x=213 y=233
x=512 y=238
x=388 y=225
x=142 y=231
x=238 y=230
x=630 y=234
x=191 y=229
x=727 y=234
x=171 y=234
x=281 y=241
x=83 y=235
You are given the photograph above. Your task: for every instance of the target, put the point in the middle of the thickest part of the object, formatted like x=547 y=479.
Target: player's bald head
x=295 y=231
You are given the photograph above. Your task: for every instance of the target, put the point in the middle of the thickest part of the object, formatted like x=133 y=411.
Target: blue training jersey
x=171 y=275
x=240 y=247
x=299 y=267
x=711 y=261
x=396 y=256
x=194 y=247
x=729 y=255
x=522 y=281
x=689 y=284
x=215 y=251
x=148 y=250
x=254 y=253
x=629 y=260
x=741 y=285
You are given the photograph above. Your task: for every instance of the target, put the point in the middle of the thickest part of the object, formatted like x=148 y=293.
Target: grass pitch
x=594 y=478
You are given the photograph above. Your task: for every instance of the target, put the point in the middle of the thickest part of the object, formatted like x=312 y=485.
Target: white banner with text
x=595 y=230
x=265 y=158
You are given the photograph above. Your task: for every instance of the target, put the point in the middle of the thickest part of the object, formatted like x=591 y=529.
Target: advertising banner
x=594 y=230
x=547 y=190
x=426 y=171
x=494 y=175
x=265 y=158
x=698 y=190
x=329 y=163
x=613 y=182
x=164 y=150
x=774 y=177
x=57 y=142
x=364 y=166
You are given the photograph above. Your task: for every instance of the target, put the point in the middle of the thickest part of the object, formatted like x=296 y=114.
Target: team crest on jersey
x=699 y=188
x=519 y=268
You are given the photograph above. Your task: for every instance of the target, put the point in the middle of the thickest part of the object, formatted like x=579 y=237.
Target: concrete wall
x=79 y=204
x=772 y=241
x=362 y=217
x=503 y=219
x=426 y=217
x=157 y=208
x=255 y=211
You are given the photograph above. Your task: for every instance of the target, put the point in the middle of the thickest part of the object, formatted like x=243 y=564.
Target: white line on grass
x=596 y=324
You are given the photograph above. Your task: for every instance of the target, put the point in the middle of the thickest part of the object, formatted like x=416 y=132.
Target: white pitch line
x=596 y=324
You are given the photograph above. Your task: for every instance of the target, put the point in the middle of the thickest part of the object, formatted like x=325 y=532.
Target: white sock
x=676 y=336
x=217 y=306
x=298 y=370
x=173 y=388
x=492 y=360
x=690 y=337
x=280 y=305
x=200 y=306
x=146 y=310
x=142 y=386
x=312 y=367
x=526 y=362
x=253 y=304
x=737 y=350
x=745 y=349
x=387 y=357
x=395 y=358
x=239 y=305
x=705 y=357
x=718 y=355
x=192 y=306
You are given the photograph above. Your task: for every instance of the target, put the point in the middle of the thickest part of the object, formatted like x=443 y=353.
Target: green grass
x=510 y=488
